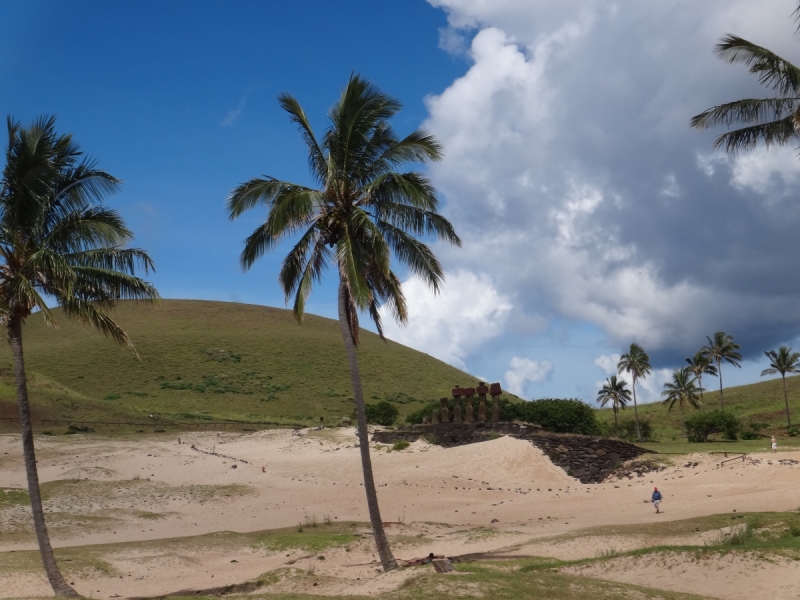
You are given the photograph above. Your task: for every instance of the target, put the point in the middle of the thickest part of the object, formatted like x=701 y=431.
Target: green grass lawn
x=203 y=361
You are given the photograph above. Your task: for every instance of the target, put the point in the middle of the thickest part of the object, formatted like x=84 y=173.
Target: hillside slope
x=215 y=360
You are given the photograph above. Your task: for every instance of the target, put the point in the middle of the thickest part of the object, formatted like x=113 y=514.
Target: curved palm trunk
x=721 y=397
x=616 y=425
x=786 y=400
x=57 y=581
x=636 y=413
x=385 y=553
x=683 y=419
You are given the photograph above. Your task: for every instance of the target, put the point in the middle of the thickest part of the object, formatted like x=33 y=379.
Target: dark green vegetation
x=382 y=413
x=204 y=361
x=554 y=414
x=756 y=404
x=702 y=424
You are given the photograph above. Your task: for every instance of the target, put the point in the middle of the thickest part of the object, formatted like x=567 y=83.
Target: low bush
x=401 y=445
x=554 y=414
x=381 y=413
x=627 y=430
x=415 y=418
x=700 y=425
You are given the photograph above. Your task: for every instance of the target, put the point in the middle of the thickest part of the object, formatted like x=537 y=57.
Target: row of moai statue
x=466 y=414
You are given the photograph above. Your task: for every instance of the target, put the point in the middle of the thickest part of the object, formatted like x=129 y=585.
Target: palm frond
x=88 y=313
x=316 y=157
x=771 y=70
x=776 y=133
x=750 y=110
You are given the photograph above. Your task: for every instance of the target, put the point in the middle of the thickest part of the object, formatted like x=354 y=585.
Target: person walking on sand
x=774 y=445
x=656 y=499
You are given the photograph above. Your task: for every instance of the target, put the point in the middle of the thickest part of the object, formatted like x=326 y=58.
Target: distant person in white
x=774 y=445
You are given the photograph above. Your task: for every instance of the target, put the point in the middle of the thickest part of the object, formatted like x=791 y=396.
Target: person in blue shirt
x=656 y=499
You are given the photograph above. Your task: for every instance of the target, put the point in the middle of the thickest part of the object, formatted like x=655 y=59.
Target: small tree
x=783 y=361
x=636 y=362
x=615 y=392
x=721 y=347
x=699 y=365
x=700 y=425
x=681 y=391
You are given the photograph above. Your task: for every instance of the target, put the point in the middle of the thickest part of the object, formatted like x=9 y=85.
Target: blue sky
x=592 y=215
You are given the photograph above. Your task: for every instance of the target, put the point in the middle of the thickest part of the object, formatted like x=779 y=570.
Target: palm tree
x=701 y=365
x=363 y=210
x=636 y=362
x=722 y=348
x=616 y=392
x=783 y=361
x=58 y=242
x=681 y=391
x=771 y=120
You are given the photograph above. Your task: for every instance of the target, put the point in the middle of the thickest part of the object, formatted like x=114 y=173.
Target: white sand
x=319 y=474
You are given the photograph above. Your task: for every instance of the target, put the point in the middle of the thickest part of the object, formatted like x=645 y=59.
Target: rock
x=495 y=520
x=442 y=565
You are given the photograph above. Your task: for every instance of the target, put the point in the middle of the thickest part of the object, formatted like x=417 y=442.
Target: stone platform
x=589 y=459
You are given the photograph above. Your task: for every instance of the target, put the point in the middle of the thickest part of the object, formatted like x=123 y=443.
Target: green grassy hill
x=204 y=361
x=760 y=402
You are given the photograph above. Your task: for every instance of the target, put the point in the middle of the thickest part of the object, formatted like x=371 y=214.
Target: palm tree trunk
x=57 y=581
x=786 y=399
x=683 y=419
x=721 y=397
x=616 y=425
x=385 y=553
x=702 y=404
x=636 y=413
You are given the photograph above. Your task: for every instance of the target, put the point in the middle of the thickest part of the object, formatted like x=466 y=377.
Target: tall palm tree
x=59 y=243
x=772 y=120
x=721 y=347
x=635 y=362
x=614 y=391
x=699 y=365
x=362 y=211
x=681 y=391
x=783 y=361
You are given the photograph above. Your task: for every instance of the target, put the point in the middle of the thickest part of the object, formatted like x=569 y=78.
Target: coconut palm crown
x=58 y=243
x=636 y=363
x=700 y=364
x=615 y=392
x=783 y=361
x=362 y=211
x=774 y=120
x=682 y=390
x=721 y=348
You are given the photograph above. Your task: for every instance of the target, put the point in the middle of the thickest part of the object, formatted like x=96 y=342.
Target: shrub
x=415 y=418
x=381 y=413
x=700 y=425
x=627 y=430
x=554 y=414
x=749 y=434
x=794 y=432
x=401 y=445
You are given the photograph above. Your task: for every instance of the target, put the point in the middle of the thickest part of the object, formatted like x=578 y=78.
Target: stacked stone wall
x=586 y=458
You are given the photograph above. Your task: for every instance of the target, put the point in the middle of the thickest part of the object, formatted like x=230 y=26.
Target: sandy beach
x=137 y=504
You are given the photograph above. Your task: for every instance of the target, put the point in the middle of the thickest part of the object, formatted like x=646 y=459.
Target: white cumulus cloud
x=468 y=312
x=524 y=370
x=573 y=177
